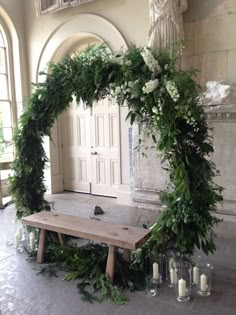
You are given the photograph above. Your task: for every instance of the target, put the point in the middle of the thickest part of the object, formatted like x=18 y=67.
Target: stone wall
x=211 y=47
x=210 y=39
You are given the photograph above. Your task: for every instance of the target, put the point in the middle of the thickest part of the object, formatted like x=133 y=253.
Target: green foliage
x=88 y=264
x=161 y=97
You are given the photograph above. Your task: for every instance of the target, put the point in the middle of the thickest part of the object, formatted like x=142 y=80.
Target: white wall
x=130 y=17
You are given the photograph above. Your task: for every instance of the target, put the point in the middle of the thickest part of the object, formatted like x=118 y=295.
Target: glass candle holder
x=151 y=286
x=183 y=281
x=171 y=260
x=205 y=280
x=157 y=266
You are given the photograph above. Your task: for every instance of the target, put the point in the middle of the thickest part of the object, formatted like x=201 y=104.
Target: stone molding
x=220 y=112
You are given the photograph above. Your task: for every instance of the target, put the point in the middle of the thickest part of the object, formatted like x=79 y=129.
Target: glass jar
x=205 y=280
x=171 y=259
x=151 y=286
x=182 y=278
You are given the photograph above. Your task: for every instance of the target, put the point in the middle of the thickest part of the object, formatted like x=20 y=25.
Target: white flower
x=131 y=84
x=117 y=91
x=128 y=63
x=150 y=61
x=172 y=90
x=150 y=86
x=118 y=60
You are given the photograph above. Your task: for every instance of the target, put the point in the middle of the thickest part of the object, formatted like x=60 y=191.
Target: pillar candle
x=173 y=276
x=17 y=239
x=19 y=232
x=195 y=275
x=155 y=271
x=203 y=282
x=182 y=288
x=171 y=263
x=32 y=240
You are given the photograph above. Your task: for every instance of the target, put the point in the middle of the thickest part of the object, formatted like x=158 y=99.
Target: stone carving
x=166 y=22
x=217 y=93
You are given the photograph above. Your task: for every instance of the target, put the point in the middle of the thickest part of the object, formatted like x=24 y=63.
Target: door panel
x=76 y=148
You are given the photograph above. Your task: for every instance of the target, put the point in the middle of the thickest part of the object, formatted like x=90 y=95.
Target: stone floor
x=23 y=292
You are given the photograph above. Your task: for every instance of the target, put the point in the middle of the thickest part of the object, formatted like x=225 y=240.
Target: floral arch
x=159 y=96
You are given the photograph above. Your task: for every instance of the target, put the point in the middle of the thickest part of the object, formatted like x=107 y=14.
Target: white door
x=105 y=148
x=76 y=148
x=91 y=157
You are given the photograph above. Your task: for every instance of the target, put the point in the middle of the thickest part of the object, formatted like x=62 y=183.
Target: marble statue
x=166 y=22
x=217 y=93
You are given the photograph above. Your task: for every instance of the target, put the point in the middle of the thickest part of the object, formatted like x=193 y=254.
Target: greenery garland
x=162 y=98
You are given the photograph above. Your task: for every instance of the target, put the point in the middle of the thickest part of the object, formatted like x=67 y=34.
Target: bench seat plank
x=112 y=234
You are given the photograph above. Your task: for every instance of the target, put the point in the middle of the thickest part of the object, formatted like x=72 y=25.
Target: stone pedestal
x=149 y=178
x=222 y=118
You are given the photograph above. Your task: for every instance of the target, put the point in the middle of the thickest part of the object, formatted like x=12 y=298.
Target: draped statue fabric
x=166 y=22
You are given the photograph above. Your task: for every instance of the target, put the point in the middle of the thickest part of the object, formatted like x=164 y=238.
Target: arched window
x=6 y=116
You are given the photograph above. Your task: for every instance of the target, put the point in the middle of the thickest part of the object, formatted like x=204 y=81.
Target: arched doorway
x=85 y=163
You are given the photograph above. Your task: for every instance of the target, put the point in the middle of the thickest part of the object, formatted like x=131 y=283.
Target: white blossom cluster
x=157 y=110
x=190 y=120
x=126 y=88
x=172 y=90
x=150 y=61
x=93 y=53
x=121 y=61
x=150 y=86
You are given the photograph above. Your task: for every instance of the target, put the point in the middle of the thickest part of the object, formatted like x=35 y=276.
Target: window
x=6 y=123
x=69 y=2
x=46 y=6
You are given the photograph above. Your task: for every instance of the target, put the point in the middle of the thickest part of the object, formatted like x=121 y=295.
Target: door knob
x=94 y=153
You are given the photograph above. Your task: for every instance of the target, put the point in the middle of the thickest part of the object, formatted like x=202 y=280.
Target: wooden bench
x=115 y=235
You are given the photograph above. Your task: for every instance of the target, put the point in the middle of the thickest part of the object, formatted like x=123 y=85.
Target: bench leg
x=60 y=238
x=126 y=255
x=111 y=262
x=41 y=249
